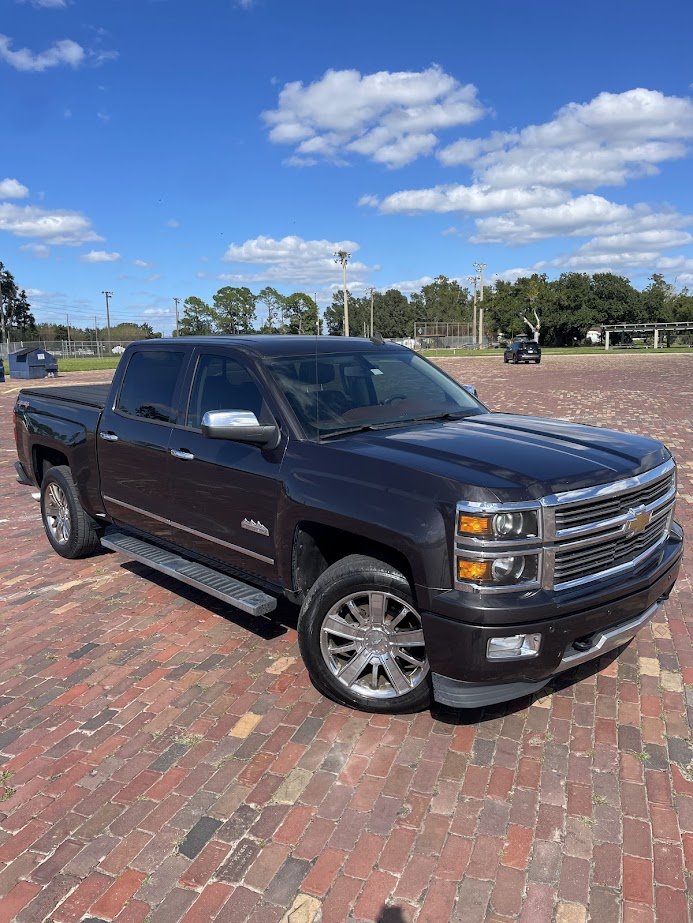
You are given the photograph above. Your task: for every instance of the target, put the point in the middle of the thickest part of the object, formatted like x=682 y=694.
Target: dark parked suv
x=522 y=351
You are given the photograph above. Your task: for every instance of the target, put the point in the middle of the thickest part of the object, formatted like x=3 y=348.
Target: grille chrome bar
x=590 y=528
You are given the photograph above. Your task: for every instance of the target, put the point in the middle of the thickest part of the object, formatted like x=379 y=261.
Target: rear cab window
x=149 y=385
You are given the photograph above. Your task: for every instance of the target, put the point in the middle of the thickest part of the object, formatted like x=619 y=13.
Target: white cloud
x=583 y=216
x=99 y=256
x=390 y=117
x=41 y=251
x=47 y=4
x=407 y=286
x=475 y=199
x=103 y=116
x=538 y=182
x=172 y=223
x=294 y=261
x=12 y=189
x=142 y=264
x=612 y=138
x=63 y=52
x=58 y=226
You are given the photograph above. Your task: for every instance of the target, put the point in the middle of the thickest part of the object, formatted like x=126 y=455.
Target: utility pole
x=96 y=337
x=480 y=269
x=341 y=256
x=67 y=316
x=177 y=301
x=317 y=314
x=108 y=316
x=2 y=321
x=372 y=297
x=473 y=280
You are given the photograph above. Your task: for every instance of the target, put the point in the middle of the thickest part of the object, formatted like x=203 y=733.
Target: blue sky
x=161 y=148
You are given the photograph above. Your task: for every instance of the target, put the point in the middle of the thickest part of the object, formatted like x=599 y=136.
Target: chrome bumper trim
x=607 y=640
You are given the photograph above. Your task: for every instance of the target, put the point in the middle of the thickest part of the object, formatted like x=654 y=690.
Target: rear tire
x=505 y=359
x=71 y=532
x=361 y=638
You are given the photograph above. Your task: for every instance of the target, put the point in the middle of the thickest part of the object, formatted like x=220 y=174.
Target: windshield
x=351 y=391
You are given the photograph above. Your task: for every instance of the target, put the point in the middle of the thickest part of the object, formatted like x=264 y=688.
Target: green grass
x=87 y=365
x=80 y=365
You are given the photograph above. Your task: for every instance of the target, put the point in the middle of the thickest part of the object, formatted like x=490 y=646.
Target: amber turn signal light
x=473 y=525
x=473 y=570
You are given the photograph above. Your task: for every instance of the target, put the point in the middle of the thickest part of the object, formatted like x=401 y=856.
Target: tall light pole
x=176 y=302
x=473 y=281
x=108 y=296
x=372 y=299
x=480 y=269
x=341 y=256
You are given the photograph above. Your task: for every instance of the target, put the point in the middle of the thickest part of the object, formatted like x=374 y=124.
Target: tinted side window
x=222 y=383
x=149 y=385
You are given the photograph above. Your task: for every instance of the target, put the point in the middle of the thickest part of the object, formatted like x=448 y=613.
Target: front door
x=224 y=494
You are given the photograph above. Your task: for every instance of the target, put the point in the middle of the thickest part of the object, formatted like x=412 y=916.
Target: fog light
x=512 y=646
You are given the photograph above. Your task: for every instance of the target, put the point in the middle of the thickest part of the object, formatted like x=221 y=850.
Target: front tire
x=361 y=638
x=71 y=532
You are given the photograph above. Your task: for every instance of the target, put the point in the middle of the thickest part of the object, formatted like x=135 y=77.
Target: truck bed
x=87 y=395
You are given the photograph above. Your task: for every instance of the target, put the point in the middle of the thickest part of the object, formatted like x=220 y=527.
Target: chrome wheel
x=373 y=643
x=57 y=512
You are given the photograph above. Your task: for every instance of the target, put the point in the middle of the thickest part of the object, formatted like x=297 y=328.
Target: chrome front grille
x=603 y=530
x=598 y=510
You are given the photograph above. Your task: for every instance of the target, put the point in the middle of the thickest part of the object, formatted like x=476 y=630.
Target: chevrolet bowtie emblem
x=638 y=521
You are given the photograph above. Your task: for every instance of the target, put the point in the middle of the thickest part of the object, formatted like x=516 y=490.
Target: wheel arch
x=43 y=458
x=317 y=546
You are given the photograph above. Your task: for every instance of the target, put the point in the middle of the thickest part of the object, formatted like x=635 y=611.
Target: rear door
x=223 y=494
x=133 y=439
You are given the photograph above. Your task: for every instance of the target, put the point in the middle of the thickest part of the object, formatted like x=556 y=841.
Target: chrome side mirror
x=239 y=426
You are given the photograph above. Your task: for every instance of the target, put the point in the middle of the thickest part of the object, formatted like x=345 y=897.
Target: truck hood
x=507 y=453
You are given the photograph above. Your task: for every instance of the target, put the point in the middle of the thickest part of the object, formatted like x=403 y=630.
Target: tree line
x=568 y=307
x=16 y=319
x=234 y=310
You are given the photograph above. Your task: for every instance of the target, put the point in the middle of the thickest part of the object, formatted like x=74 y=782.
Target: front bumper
x=456 y=647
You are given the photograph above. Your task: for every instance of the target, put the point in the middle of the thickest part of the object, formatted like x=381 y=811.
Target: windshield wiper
x=389 y=424
x=361 y=429
x=447 y=415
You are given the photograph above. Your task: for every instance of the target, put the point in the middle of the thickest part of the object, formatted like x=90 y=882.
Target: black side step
x=241 y=595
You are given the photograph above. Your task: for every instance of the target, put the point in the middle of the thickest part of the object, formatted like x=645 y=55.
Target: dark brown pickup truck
x=434 y=548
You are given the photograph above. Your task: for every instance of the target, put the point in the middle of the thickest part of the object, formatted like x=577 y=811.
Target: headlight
x=505 y=525
x=506 y=571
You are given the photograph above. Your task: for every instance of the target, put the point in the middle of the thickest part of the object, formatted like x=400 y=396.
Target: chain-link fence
x=73 y=349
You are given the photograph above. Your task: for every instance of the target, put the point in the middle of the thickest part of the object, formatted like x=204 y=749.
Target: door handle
x=109 y=437
x=181 y=453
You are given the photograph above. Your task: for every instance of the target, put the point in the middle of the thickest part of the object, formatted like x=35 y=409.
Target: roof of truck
x=280 y=344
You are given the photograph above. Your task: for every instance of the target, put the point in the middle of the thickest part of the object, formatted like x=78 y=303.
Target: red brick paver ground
x=164 y=758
